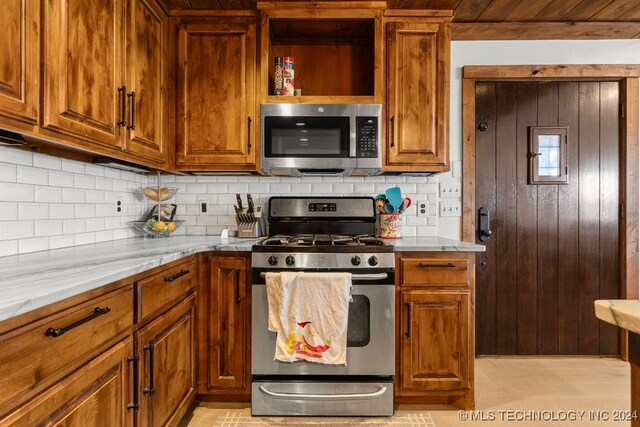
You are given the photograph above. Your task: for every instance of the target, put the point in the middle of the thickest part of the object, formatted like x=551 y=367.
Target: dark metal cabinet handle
x=408 y=333
x=447 y=265
x=249 y=133
x=238 y=300
x=392 y=130
x=123 y=106
x=176 y=276
x=97 y=312
x=132 y=95
x=151 y=349
x=136 y=382
x=485 y=231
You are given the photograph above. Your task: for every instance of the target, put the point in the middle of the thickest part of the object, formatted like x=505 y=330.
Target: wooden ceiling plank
x=443 y=4
x=543 y=30
x=556 y=10
x=469 y=10
x=632 y=15
x=498 y=10
x=585 y=10
x=615 y=10
x=527 y=9
x=206 y=4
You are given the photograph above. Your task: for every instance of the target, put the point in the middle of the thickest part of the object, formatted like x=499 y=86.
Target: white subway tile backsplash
x=104 y=183
x=16 y=156
x=50 y=227
x=10 y=192
x=94 y=170
x=33 y=211
x=61 y=211
x=85 y=211
x=8 y=211
x=33 y=245
x=8 y=247
x=85 y=238
x=11 y=230
x=46 y=194
x=73 y=195
x=47 y=162
x=8 y=172
x=84 y=181
x=72 y=166
x=95 y=224
x=74 y=226
x=237 y=188
x=60 y=179
x=56 y=242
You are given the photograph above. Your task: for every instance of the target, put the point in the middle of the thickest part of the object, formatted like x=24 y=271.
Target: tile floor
x=509 y=389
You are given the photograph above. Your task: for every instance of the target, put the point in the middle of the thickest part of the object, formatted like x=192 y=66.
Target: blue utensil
x=394 y=195
x=388 y=208
x=381 y=197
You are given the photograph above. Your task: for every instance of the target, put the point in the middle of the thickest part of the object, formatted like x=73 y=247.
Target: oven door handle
x=306 y=396
x=372 y=276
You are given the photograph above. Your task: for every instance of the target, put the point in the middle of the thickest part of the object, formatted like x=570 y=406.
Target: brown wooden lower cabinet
x=167 y=357
x=96 y=395
x=434 y=306
x=224 y=328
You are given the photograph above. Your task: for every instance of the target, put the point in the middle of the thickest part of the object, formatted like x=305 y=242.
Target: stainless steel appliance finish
x=363 y=386
x=322 y=397
x=321 y=139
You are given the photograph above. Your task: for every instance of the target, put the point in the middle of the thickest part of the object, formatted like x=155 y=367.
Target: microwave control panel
x=367 y=137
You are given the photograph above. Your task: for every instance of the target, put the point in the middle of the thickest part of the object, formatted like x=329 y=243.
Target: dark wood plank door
x=554 y=248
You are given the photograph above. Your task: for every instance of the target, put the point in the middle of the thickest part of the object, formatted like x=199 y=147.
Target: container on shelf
x=288 y=81
x=278 y=81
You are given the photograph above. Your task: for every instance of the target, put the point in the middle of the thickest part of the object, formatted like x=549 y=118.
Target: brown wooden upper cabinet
x=417 y=93
x=216 y=108
x=87 y=94
x=19 y=61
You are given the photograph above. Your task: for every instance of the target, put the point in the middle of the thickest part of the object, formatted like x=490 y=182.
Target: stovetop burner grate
x=322 y=240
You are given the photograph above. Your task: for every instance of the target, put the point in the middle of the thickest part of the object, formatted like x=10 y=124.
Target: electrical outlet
x=450 y=189
x=450 y=208
x=118 y=206
x=423 y=209
x=204 y=206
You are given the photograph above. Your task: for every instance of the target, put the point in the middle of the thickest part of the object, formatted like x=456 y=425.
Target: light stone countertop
x=31 y=281
x=624 y=313
x=433 y=244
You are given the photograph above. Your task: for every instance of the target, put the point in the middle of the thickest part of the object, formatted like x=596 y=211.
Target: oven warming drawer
x=322 y=398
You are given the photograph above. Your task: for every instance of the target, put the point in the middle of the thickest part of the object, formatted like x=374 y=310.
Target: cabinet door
x=146 y=50
x=98 y=394
x=19 y=59
x=167 y=356
x=82 y=51
x=216 y=96
x=434 y=330
x=418 y=96
x=228 y=307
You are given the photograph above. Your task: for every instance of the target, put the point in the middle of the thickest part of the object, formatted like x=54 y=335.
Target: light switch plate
x=450 y=189
x=450 y=208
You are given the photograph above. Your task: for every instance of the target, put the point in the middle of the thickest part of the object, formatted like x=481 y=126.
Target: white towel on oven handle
x=309 y=312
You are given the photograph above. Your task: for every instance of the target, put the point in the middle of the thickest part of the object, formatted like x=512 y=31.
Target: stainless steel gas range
x=328 y=235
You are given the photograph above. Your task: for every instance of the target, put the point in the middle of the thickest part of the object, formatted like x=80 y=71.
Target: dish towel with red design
x=309 y=312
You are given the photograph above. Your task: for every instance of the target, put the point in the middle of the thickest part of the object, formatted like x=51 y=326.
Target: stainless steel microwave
x=321 y=139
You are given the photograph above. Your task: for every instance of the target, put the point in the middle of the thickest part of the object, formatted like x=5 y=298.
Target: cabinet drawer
x=31 y=358
x=434 y=272
x=164 y=289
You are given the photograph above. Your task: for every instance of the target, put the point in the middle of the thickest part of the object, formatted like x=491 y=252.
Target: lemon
x=171 y=227
x=159 y=226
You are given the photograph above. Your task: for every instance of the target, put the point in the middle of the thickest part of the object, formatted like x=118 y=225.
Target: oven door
x=370 y=331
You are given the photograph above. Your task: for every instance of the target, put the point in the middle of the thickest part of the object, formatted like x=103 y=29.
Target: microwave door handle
x=353 y=140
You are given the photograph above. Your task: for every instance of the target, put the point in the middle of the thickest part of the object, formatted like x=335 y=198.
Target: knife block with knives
x=249 y=219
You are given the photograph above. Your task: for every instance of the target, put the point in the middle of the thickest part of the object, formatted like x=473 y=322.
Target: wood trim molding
x=628 y=75
x=551 y=72
x=544 y=30
x=286 y=5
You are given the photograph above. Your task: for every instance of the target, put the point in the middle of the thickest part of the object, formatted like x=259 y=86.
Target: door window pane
x=548 y=155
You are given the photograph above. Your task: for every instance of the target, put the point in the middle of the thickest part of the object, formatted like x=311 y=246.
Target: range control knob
x=356 y=260
x=290 y=260
x=273 y=260
x=373 y=260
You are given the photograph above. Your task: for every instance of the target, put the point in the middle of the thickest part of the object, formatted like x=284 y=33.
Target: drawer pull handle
x=447 y=265
x=177 y=276
x=151 y=348
x=97 y=312
x=238 y=300
x=136 y=381
x=408 y=333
